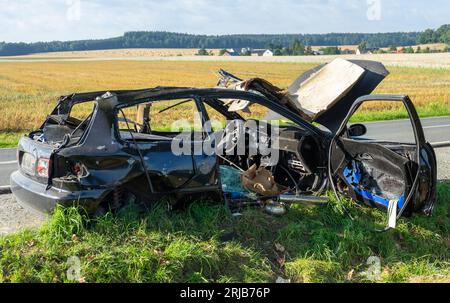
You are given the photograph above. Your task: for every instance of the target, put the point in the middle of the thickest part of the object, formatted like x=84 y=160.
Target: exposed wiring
x=330 y=174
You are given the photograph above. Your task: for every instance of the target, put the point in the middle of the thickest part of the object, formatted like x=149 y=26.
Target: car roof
x=133 y=96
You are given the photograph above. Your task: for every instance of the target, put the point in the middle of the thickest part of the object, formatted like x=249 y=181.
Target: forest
x=151 y=39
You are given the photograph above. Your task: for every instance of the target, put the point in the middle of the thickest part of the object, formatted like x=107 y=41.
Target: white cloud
x=33 y=20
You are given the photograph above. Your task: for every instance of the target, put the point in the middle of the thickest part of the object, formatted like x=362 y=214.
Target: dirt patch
x=14 y=217
x=443 y=158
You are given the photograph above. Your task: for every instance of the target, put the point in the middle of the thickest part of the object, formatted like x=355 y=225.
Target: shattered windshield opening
x=254 y=111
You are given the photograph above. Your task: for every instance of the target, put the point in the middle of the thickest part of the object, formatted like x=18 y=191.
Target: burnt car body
x=94 y=163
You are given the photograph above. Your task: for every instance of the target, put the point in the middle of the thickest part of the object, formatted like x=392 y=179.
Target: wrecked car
x=125 y=147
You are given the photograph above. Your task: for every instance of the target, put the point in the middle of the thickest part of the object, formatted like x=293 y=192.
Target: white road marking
x=408 y=119
x=8 y=162
x=441 y=144
x=436 y=126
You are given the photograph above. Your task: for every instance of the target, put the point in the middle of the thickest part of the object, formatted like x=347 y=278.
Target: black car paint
x=113 y=162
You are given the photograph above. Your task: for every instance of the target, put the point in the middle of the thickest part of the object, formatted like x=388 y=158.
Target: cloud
x=33 y=20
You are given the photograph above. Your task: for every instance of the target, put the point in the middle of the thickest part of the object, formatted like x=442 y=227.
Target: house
x=262 y=53
x=348 y=52
x=268 y=53
x=367 y=51
x=231 y=53
x=246 y=50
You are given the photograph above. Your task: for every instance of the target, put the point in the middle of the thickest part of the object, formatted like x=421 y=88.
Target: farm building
x=231 y=53
x=262 y=53
x=367 y=51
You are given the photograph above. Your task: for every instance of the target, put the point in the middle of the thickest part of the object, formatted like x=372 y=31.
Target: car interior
x=238 y=135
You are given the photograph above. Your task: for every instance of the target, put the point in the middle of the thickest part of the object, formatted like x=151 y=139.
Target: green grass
x=431 y=110
x=10 y=139
x=204 y=243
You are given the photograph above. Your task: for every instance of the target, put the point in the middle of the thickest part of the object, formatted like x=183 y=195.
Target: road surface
x=8 y=164
x=437 y=130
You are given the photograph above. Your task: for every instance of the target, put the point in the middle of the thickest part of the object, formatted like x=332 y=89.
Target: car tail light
x=43 y=167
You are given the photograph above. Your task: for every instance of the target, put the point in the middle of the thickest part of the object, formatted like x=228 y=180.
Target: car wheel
x=99 y=212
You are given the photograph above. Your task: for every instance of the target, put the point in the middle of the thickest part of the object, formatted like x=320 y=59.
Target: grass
x=398 y=112
x=204 y=243
x=10 y=139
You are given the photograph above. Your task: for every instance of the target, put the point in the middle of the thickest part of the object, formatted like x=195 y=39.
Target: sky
x=49 y=20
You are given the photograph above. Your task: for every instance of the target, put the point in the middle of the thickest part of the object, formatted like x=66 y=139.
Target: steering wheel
x=231 y=136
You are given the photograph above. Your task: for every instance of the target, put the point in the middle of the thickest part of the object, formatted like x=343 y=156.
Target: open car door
x=398 y=177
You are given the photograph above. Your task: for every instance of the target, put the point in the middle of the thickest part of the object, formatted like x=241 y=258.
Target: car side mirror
x=357 y=130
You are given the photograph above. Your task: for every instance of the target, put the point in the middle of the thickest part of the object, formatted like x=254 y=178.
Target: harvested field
x=434 y=60
x=29 y=90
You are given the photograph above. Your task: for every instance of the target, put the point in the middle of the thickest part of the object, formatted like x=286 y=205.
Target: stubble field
x=29 y=90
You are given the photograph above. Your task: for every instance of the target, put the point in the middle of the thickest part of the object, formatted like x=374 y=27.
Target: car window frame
x=269 y=104
x=117 y=110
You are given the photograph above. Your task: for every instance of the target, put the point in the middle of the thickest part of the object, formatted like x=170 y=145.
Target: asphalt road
x=437 y=131
x=8 y=164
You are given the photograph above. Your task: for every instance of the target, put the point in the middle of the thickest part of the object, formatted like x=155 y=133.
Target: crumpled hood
x=326 y=93
x=323 y=94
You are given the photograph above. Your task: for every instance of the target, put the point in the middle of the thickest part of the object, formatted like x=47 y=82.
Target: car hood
x=326 y=93
x=323 y=94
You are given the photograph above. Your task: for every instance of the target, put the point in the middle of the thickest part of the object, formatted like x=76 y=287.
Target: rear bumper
x=35 y=195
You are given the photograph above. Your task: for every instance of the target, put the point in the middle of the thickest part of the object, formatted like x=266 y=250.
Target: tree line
x=441 y=35
x=148 y=39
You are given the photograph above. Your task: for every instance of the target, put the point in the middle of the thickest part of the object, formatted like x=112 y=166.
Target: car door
x=382 y=172
x=169 y=137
